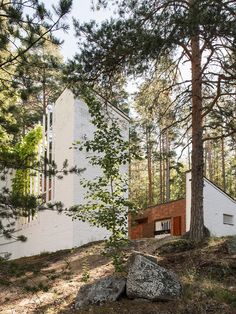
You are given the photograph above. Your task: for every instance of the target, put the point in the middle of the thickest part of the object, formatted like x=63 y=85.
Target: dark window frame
x=166 y=231
x=226 y=223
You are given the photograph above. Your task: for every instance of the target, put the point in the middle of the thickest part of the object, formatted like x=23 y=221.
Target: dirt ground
x=48 y=283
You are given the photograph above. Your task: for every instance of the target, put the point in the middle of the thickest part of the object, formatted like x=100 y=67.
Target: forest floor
x=49 y=282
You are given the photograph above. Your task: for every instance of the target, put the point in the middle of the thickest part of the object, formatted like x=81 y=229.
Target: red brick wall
x=136 y=232
x=158 y=212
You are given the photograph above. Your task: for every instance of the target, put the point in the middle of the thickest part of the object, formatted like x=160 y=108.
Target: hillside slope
x=48 y=283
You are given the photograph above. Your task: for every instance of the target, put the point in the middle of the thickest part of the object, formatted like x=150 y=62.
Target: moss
x=222 y=295
x=176 y=246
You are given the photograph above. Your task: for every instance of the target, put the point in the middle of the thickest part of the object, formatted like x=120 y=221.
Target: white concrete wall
x=6 y=184
x=50 y=231
x=83 y=232
x=215 y=204
x=63 y=137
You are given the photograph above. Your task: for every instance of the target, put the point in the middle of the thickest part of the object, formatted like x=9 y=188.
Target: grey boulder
x=147 y=280
x=105 y=289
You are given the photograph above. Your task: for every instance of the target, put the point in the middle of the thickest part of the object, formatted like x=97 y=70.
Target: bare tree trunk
x=214 y=176
x=205 y=154
x=163 y=169
x=149 y=165
x=160 y=165
x=44 y=91
x=217 y=166
x=209 y=160
x=167 y=168
x=223 y=162
x=188 y=149
x=197 y=220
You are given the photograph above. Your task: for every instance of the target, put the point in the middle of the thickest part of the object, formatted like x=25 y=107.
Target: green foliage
x=27 y=27
x=158 y=141
x=106 y=204
x=199 y=33
x=222 y=295
x=27 y=151
x=85 y=272
x=18 y=202
x=38 y=82
x=27 y=24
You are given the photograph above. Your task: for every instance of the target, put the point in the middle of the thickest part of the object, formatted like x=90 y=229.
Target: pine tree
x=200 y=32
x=24 y=26
x=39 y=82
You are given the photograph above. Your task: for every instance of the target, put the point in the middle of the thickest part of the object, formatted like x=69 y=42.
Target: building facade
x=160 y=220
x=66 y=122
x=173 y=218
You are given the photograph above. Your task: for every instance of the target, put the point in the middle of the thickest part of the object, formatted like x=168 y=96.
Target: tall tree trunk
x=205 y=154
x=163 y=169
x=217 y=166
x=160 y=164
x=149 y=164
x=214 y=163
x=44 y=91
x=209 y=160
x=188 y=148
x=167 y=168
x=223 y=162
x=197 y=221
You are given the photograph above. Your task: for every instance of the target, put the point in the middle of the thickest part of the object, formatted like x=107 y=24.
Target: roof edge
x=172 y=201
x=119 y=111
x=220 y=189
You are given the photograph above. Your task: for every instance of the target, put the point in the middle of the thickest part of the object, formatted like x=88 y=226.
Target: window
x=228 y=219
x=50 y=119
x=163 y=227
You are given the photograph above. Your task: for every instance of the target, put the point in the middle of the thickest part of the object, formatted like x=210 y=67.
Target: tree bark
x=223 y=162
x=163 y=169
x=189 y=153
x=160 y=164
x=209 y=160
x=149 y=164
x=167 y=168
x=197 y=220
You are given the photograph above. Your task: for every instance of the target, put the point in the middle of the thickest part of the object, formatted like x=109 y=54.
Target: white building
x=173 y=218
x=66 y=122
x=219 y=209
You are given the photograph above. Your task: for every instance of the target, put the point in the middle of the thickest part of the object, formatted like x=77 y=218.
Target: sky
x=81 y=10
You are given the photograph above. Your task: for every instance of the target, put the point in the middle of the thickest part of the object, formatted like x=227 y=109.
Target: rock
x=231 y=245
x=148 y=256
x=105 y=289
x=176 y=246
x=152 y=258
x=146 y=279
x=131 y=259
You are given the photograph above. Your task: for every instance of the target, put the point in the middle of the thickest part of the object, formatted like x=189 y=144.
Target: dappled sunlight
x=54 y=281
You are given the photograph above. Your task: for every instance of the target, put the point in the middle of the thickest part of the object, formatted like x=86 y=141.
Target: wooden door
x=177 y=226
